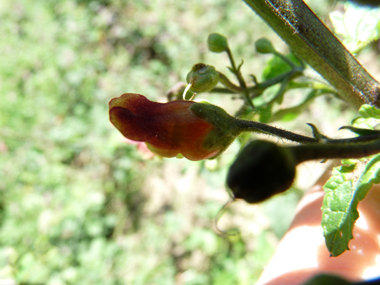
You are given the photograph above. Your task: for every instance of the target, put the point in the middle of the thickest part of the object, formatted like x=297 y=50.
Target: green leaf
x=265 y=113
x=358 y=25
x=369 y=117
x=289 y=114
x=348 y=185
x=276 y=66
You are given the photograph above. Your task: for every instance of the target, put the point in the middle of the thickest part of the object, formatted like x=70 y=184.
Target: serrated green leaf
x=348 y=185
x=349 y=161
x=358 y=25
x=368 y=111
x=369 y=117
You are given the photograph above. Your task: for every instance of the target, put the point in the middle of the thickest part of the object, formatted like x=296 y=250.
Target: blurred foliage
x=81 y=205
x=357 y=26
x=76 y=204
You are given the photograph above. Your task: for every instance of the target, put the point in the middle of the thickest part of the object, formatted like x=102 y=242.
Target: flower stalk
x=203 y=131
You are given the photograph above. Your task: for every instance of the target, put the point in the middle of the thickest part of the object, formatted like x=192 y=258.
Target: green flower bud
x=263 y=45
x=260 y=171
x=202 y=77
x=217 y=43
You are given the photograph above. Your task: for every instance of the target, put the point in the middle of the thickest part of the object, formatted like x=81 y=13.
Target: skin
x=302 y=253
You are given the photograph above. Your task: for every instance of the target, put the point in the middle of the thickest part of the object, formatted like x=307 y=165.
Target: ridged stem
x=313 y=42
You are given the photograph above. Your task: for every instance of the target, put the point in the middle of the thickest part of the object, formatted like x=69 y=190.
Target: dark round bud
x=217 y=43
x=260 y=171
x=263 y=45
x=202 y=77
x=327 y=279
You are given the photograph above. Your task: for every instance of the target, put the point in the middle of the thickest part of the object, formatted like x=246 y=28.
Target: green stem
x=229 y=85
x=312 y=41
x=234 y=69
x=225 y=123
x=280 y=92
x=259 y=88
x=296 y=109
x=222 y=90
x=285 y=59
x=334 y=150
x=250 y=126
x=240 y=78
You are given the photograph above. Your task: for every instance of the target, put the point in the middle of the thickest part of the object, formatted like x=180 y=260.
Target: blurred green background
x=80 y=205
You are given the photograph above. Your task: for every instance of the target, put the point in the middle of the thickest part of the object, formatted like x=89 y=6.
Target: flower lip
x=168 y=129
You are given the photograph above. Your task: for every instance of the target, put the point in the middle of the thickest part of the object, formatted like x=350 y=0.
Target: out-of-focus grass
x=78 y=205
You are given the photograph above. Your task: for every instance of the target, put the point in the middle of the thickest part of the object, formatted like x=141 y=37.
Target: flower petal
x=167 y=128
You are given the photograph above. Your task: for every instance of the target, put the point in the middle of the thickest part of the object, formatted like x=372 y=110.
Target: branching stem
x=251 y=126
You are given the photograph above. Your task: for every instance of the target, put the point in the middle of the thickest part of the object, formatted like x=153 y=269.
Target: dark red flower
x=168 y=129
